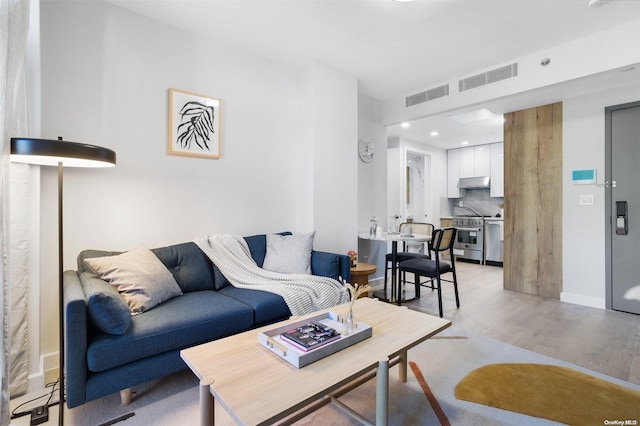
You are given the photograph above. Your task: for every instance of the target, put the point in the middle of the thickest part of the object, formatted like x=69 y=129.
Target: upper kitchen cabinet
x=453 y=173
x=497 y=170
x=475 y=161
x=467 y=162
x=482 y=160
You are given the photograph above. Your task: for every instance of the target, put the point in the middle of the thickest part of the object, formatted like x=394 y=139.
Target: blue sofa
x=99 y=363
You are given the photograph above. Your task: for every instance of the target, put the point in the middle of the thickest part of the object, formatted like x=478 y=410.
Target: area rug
x=552 y=392
x=442 y=361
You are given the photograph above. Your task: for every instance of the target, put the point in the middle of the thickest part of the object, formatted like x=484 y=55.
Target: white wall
x=371 y=186
x=584 y=227
x=335 y=131
x=105 y=80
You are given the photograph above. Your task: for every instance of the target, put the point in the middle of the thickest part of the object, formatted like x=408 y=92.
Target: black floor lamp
x=45 y=152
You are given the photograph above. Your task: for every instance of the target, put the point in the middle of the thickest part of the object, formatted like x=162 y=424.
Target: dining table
x=396 y=283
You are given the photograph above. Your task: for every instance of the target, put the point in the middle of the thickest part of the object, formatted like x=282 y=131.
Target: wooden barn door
x=533 y=201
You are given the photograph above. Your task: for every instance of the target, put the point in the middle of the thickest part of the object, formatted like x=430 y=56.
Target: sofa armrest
x=330 y=265
x=75 y=335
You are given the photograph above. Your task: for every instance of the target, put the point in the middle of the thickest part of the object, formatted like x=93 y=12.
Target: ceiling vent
x=427 y=95
x=488 y=77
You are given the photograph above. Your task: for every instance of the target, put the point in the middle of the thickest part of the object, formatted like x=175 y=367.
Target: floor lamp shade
x=46 y=152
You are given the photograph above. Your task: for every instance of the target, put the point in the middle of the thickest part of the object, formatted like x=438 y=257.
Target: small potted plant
x=353 y=256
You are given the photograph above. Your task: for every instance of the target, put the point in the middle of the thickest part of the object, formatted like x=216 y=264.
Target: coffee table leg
x=382 y=393
x=402 y=366
x=206 y=404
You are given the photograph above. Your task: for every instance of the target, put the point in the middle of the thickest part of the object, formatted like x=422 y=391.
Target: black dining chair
x=416 y=228
x=442 y=241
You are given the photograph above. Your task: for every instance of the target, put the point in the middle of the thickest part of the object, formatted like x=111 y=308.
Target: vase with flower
x=355 y=291
x=353 y=257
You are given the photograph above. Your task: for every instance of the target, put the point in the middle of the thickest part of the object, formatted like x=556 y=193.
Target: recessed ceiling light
x=434 y=133
x=471 y=116
x=465 y=143
x=595 y=3
x=405 y=125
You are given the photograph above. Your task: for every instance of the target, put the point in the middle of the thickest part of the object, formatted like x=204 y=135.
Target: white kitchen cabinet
x=475 y=161
x=467 y=162
x=497 y=170
x=453 y=173
x=482 y=160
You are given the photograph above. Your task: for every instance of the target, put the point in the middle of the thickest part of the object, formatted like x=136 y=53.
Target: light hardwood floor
x=604 y=341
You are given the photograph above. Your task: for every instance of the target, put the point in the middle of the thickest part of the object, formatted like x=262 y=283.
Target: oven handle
x=469 y=229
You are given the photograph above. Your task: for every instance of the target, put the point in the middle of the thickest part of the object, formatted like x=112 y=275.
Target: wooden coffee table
x=257 y=387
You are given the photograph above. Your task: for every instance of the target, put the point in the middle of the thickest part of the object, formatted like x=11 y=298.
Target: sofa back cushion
x=89 y=254
x=190 y=267
x=326 y=265
x=258 y=249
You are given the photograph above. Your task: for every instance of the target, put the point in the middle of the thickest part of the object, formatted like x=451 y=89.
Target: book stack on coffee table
x=301 y=343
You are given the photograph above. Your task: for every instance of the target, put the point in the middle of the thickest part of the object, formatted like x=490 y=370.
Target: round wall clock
x=366 y=150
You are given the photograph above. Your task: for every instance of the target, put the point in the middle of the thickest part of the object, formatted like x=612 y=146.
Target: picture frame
x=193 y=125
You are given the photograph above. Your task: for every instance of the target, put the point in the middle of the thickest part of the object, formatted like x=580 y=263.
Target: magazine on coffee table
x=310 y=336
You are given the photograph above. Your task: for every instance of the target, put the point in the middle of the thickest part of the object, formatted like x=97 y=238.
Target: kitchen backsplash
x=476 y=202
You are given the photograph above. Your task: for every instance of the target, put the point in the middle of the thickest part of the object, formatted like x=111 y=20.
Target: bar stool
x=442 y=241
x=416 y=228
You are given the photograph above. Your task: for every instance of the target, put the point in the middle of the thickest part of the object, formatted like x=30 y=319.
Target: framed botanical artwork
x=194 y=124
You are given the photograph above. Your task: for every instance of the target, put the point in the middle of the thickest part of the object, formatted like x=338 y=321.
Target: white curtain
x=14 y=25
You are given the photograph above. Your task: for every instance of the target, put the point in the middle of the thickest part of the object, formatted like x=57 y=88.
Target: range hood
x=474 y=182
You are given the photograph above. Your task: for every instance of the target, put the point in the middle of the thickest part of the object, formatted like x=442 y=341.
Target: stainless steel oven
x=469 y=243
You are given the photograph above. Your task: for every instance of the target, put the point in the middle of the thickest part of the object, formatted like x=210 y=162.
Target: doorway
x=417 y=187
x=409 y=193
x=622 y=139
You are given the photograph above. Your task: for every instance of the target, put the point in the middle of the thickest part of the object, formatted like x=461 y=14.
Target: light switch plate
x=586 y=200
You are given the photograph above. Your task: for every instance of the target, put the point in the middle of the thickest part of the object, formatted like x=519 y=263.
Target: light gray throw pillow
x=139 y=276
x=289 y=254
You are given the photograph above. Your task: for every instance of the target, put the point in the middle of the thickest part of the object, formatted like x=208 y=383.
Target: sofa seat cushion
x=267 y=307
x=181 y=322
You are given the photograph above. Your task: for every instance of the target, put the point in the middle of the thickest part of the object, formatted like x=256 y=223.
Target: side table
x=360 y=274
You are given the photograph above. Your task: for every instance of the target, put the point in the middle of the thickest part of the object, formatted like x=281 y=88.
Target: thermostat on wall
x=585 y=176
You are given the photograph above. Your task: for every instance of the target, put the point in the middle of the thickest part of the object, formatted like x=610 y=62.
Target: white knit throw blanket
x=301 y=292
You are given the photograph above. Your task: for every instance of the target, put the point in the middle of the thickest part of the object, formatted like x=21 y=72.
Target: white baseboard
x=47 y=372
x=577 y=299
x=36 y=382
